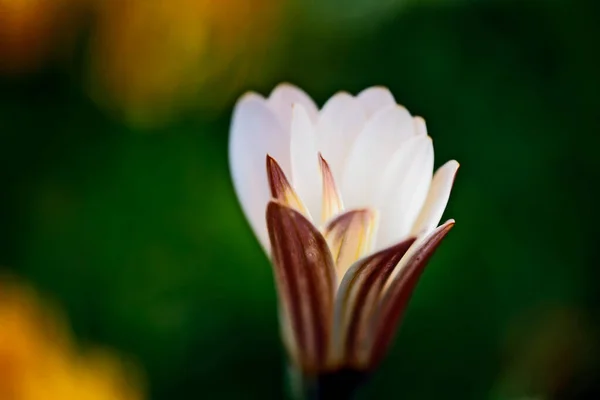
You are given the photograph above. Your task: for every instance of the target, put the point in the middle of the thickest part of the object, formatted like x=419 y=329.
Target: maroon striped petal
x=399 y=290
x=332 y=201
x=305 y=278
x=281 y=190
x=357 y=299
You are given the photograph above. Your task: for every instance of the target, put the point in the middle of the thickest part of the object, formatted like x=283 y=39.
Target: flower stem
x=338 y=385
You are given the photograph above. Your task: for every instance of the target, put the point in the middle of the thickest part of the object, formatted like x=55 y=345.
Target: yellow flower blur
x=39 y=361
x=150 y=59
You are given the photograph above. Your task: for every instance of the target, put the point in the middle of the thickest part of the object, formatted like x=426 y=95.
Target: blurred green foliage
x=139 y=236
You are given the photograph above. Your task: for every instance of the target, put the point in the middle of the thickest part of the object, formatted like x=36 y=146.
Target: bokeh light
x=151 y=59
x=38 y=359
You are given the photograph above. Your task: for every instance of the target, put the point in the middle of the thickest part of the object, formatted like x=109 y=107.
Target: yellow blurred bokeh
x=147 y=59
x=39 y=360
x=152 y=58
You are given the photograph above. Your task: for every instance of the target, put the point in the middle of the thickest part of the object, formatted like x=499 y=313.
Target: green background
x=137 y=233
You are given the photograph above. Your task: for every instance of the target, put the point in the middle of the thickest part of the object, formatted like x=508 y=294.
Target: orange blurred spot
x=38 y=360
x=152 y=58
x=34 y=31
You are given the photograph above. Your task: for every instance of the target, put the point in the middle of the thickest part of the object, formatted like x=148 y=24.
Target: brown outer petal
x=394 y=302
x=332 y=201
x=305 y=278
x=281 y=190
x=357 y=298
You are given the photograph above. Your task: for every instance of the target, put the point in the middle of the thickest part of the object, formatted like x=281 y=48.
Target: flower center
x=349 y=234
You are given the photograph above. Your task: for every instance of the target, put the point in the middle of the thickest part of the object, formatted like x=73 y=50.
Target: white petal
x=340 y=121
x=372 y=150
x=306 y=174
x=284 y=96
x=420 y=126
x=404 y=187
x=437 y=198
x=375 y=98
x=255 y=132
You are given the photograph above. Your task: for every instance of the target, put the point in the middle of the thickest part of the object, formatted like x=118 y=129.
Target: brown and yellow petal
x=305 y=278
x=281 y=190
x=357 y=299
x=399 y=289
x=350 y=237
x=332 y=201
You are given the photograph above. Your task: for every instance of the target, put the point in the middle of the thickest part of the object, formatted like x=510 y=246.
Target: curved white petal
x=284 y=96
x=404 y=187
x=420 y=126
x=437 y=198
x=375 y=98
x=255 y=132
x=340 y=121
x=372 y=150
x=306 y=174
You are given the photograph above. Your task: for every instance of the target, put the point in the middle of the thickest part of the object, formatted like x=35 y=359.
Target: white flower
x=352 y=211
